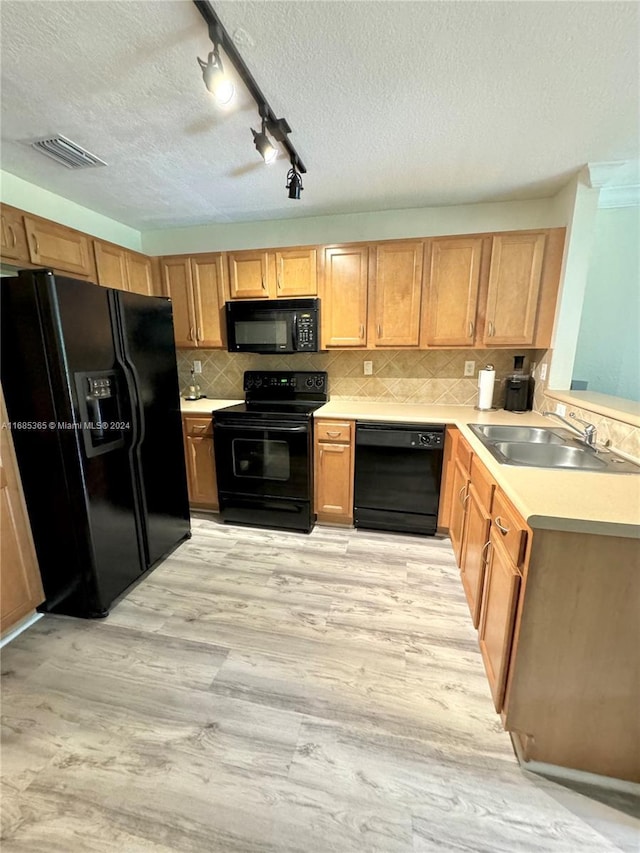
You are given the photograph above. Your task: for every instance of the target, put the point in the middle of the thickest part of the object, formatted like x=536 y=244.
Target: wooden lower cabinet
x=474 y=552
x=459 y=499
x=500 y=599
x=446 y=486
x=20 y=583
x=334 y=470
x=200 y=461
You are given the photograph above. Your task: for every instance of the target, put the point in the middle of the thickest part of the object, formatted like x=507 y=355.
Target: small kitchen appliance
x=518 y=396
x=275 y=326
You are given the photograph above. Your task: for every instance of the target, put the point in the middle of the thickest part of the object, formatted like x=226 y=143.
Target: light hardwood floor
x=270 y=691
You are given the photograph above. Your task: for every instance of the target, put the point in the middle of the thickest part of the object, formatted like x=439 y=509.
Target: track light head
x=263 y=144
x=215 y=79
x=294 y=182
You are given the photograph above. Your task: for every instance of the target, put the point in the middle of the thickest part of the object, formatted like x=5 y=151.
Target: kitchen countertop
x=549 y=499
x=205 y=405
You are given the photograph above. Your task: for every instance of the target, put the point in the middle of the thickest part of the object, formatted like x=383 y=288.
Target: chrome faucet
x=588 y=434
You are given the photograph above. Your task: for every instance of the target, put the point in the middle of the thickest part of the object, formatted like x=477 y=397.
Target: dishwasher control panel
x=427 y=439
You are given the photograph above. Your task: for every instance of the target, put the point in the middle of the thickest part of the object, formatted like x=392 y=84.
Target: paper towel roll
x=486 y=381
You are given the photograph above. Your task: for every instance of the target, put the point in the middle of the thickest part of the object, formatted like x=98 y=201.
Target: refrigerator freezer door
x=149 y=350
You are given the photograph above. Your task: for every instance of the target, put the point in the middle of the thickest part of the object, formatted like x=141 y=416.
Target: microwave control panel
x=305 y=332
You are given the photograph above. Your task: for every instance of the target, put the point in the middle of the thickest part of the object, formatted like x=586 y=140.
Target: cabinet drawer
x=464 y=454
x=483 y=483
x=199 y=426
x=509 y=526
x=334 y=430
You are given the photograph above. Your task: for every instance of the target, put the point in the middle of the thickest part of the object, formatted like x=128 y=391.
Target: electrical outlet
x=469 y=368
x=543 y=372
x=197 y=367
x=561 y=410
x=368 y=368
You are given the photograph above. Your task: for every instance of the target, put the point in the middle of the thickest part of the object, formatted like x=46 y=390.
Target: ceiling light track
x=278 y=128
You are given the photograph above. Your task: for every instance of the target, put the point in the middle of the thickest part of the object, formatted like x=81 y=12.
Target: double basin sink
x=540 y=447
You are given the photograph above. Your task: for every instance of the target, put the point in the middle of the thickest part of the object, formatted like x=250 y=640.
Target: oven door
x=263 y=459
x=261 y=329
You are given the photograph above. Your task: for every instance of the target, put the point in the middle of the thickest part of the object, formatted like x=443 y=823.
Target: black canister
x=518 y=394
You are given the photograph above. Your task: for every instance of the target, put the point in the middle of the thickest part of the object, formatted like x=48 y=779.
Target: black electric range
x=264 y=450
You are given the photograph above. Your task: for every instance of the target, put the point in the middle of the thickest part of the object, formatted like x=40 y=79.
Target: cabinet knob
x=379 y=331
x=190 y=335
x=199 y=334
x=485 y=547
x=333 y=433
x=491 y=329
x=36 y=245
x=13 y=235
x=471 y=328
x=460 y=498
x=263 y=287
x=279 y=282
x=361 y=331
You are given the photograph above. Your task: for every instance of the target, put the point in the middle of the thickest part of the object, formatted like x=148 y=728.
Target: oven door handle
x=268 y=426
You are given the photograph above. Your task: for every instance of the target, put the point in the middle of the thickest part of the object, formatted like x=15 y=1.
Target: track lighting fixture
x=215 y=79
x=263 y=144
x=294 y=181
x=217 y=83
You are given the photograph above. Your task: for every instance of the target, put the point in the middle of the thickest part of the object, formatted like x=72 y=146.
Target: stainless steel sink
x=537 y=447
x=549 y=455
x=535 y=435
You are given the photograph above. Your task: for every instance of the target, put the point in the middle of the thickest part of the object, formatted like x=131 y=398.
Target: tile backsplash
x=402 y=376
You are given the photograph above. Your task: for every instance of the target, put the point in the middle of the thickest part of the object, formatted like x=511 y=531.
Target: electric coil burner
x=264 y=450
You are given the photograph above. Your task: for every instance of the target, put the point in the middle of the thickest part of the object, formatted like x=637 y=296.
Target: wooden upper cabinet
x=207 y=274
x=196 y=287
x=395 y=294
x=248 y=275
x=514 y=286
x=58 y=247
x=176 y=274
x=296 y=272
x=111 y=265
x=140 y=274
x=14 y=237
x=452 y=292
x=20 y=583
x=344 y=296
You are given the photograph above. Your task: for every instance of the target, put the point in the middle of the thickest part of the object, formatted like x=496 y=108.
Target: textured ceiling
x=392 y=104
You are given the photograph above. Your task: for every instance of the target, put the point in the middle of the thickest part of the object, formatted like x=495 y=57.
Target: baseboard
x=22 y=625
x=568 y=774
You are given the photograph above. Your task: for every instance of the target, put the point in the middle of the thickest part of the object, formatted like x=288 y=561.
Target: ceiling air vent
x=65 y=151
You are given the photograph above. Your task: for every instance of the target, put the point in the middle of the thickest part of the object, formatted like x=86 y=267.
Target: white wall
x=608 y=349
x=18 y=193
x=344 y=228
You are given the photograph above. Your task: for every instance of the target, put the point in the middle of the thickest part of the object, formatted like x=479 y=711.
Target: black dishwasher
x=397 y=476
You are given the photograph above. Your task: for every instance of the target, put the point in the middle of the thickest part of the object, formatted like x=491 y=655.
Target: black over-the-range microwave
x=273 y=325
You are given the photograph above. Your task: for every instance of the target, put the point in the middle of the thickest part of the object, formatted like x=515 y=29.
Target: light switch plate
x=368 y=368
x=197 y=367
x=469 y=368
x=543 y=372
x=561 y=410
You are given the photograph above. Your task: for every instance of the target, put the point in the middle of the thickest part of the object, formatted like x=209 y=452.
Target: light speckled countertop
x=579 y=501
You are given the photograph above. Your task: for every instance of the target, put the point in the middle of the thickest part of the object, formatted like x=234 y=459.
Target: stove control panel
x=273 y=384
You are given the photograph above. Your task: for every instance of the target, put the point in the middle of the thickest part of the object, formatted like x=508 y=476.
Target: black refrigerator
x=91 y=387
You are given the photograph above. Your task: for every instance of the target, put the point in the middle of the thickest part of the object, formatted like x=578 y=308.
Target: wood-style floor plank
x=271 y=691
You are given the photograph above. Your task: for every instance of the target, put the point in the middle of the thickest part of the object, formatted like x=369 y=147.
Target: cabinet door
x=201 y=472
x=459 y=500
x=20 y=582
x=248 y=275
x=176 y=273
x=446 y=486
x=396 y=291
x=111 y=265
x=334 y=482
x=14 y=237
x=514 y=285
x=500 y=599
x=344 y=304
x=474 y=553
x=452 y=292
x=140 y=274
x=296 y=272
x=53 y=245
x=208 y=299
